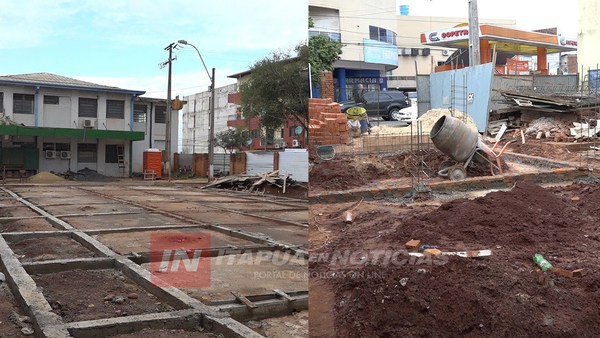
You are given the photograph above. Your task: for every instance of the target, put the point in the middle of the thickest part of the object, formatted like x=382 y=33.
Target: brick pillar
x=542 y=60
x=327 y=90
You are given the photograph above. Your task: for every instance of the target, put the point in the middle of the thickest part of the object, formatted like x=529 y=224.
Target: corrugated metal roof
x=58 y=81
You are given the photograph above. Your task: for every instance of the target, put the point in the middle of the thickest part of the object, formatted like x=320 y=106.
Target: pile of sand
x=45 y=177
x=427 y=122
x=430 y=118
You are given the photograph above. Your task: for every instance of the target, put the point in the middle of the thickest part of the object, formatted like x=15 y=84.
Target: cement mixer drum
x=454 y=138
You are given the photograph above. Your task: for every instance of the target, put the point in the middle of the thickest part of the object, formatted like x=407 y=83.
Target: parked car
x=385 y=104
x=409 y=114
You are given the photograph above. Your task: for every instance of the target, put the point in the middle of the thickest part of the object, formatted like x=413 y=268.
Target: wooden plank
x=284 y=295
x=243 y=300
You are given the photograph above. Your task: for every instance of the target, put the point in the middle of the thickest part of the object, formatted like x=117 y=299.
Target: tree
x=278 y=88
x=231 y=139
x=323 y=53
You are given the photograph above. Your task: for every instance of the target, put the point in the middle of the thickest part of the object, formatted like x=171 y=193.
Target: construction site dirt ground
x=364 y=283
x=87 y=251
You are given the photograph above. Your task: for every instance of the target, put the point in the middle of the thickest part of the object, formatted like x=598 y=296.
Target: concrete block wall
x=327 y=123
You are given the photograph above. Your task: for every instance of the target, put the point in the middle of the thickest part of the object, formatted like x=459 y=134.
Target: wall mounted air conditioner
x=88 y=124
x=50 y=154
x=65 y=155
x=277 y=145
x=445 y=52
x=295 y=143
x=414 y=51
x=425 y=51
x=406 y=51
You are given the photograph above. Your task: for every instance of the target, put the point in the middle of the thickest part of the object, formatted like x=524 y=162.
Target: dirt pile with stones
x=505 y=294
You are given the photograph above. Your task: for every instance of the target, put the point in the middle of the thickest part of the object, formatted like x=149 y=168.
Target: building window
x=255 y=133
x=331 y=35
x=115 y=109
x=87 y=153
x=88 y=107
x=23 y=103
x=56 y=146
x=270 y=136
x=49 y=99
x=160 y=114
x=112 y=153
x=139 y=112
x=382 y=34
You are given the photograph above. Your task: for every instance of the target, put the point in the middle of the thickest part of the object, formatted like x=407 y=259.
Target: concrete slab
x=281 y=233
x=92 y=208
x=294 y=216
x=119 y=221
x=252 y=273
x=66 y=199
x=140 y=241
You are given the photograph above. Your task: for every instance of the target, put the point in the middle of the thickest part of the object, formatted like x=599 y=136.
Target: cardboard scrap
x=413 y=244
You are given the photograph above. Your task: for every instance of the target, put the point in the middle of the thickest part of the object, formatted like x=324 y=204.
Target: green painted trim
x=71 y=133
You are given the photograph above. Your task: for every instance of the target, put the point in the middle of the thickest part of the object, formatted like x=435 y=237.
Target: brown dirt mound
x=45 y=177
x=336 y=174
x=348 y=171
x=498 y=296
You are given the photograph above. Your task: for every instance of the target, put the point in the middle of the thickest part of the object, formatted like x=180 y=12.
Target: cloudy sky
x=529 y=14
x=121 y=42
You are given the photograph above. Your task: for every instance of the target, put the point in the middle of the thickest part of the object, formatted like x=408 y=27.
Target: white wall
x=588 y=49
x=198 y=106
x=355 y=19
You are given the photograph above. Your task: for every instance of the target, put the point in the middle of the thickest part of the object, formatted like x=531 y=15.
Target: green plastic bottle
x=542 y=262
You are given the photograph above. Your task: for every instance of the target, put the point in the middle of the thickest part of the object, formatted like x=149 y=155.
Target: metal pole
x=211 y=136
x=474 y=51
x=168 y=117
x=310 y=81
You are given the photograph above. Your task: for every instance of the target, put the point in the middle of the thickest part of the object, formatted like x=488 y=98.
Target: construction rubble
x=254 y=182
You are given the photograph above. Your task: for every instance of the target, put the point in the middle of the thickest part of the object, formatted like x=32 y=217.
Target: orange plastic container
x=153 y=161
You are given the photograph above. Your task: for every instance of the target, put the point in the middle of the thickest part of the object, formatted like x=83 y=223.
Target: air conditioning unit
x=50 y=154
x=405 y=51
x=414 y=51
x=445 y=52
x=425 y=51
x=295 y=143
x=65 y=155
x=277 y=145
x=88 y=124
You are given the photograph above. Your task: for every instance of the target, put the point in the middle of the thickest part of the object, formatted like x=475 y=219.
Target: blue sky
x=121 y=42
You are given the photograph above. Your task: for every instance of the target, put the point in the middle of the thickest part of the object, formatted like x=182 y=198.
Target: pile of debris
x=88 y=175
x=548 y=127
x=555 y=102
x=253 y=182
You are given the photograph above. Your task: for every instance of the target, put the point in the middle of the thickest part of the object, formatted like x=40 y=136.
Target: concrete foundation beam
x=61 y=265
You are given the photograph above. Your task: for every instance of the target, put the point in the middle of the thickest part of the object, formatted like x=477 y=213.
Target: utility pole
x=169 y=61
x=474 y=50
x=211 y=135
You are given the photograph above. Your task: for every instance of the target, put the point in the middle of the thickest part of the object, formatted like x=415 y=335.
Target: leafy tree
x=278 y=89
x=323 y=52
x=231 y=139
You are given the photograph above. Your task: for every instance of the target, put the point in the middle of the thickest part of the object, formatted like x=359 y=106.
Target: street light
x=211 y=131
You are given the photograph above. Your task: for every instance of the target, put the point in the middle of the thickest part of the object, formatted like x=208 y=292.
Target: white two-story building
x=55 y=123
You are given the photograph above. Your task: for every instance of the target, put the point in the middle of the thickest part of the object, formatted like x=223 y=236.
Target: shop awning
x=507 y=40
x=84 y=133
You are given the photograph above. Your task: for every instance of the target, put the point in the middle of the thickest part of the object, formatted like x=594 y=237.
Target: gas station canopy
x=504 y=39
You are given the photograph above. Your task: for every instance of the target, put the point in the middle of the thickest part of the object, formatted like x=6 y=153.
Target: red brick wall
x=327 y=89
x=327 y=123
